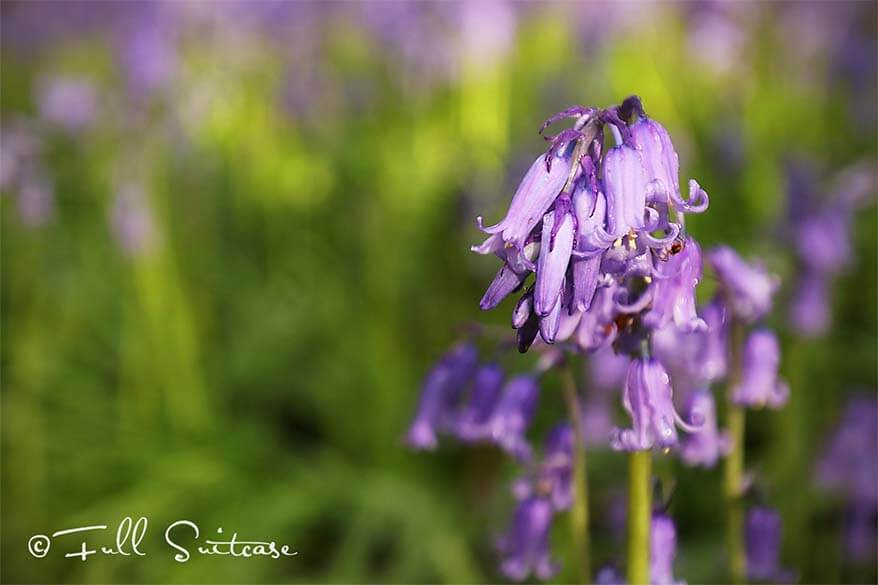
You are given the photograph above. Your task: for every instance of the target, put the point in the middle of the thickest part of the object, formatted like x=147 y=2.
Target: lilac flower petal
x=748 y=288
x=532 y=199
x=552 y=263
x=525 y=548
x=625 y=185
x=585 y=281
x=663 y=550
x=760 y=385
x=513 y=415
x=442 y=385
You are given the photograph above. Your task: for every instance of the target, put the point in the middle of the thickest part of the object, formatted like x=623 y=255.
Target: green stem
x=639 y=516
x=734 y=466
x=579 y=513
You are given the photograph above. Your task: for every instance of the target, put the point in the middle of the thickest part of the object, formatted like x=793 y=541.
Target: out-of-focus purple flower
x=822 y=241
x=131 y=220
x=597 y=421
x=849 y=462
x=707 y=445
x=714 y=357
x=532 y=199
x=149 y=57
x=648 y=399
x=487 y=31
x=36 y=200
x=860 y=532
x=513 y=414
x=525 y=547
x=747 y=288
x=809 y=307
x=763 y=538
x=663 y=550
x=472 y=423
x=21 y=147
x=849 y=466
x=68 y=102
x=760 y=385
x=606 y=370
x=820 y=232
x=674 y=291
x=443 y=385
x=553 y=477
x=609 y=576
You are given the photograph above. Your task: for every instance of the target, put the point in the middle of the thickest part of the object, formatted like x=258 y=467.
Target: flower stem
x=639 y=516
x=579 y=513
x=734 y=466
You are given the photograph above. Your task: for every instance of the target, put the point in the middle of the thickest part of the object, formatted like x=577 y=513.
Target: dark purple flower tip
x=525 y=547
x=748 y=288
x=763 y=536
x=648 y=399
x=707 y=445
x=550 y=325
x=663 y=550
x=527 y=333
x=523 y=310
x=513 y=414
x=532 y=199
x=625 y=184
x=760 y=385
x=441 y=389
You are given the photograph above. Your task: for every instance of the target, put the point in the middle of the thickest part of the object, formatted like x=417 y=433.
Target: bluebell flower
x=763 y=538
x=748 y=289
x=663 y=551
x=759 y=384
x=707 y=445
x=648 y=399
x=443 y=386
x=525 y=547
x=588 y=220
x=513 y=414
x=472 y=423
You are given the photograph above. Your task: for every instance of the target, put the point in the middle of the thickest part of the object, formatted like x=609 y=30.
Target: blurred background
x=235 y=237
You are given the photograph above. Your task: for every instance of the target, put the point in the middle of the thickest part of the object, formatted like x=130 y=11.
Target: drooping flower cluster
x=545 y=490
x=473 y=403
x=746 y=293
x=849 y=467
x=602 y=229
x=819 y=234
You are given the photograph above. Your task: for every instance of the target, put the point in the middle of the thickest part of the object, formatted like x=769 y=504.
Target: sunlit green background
x=256 y=365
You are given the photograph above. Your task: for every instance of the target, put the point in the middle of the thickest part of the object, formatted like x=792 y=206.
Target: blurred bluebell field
x=235 y=238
